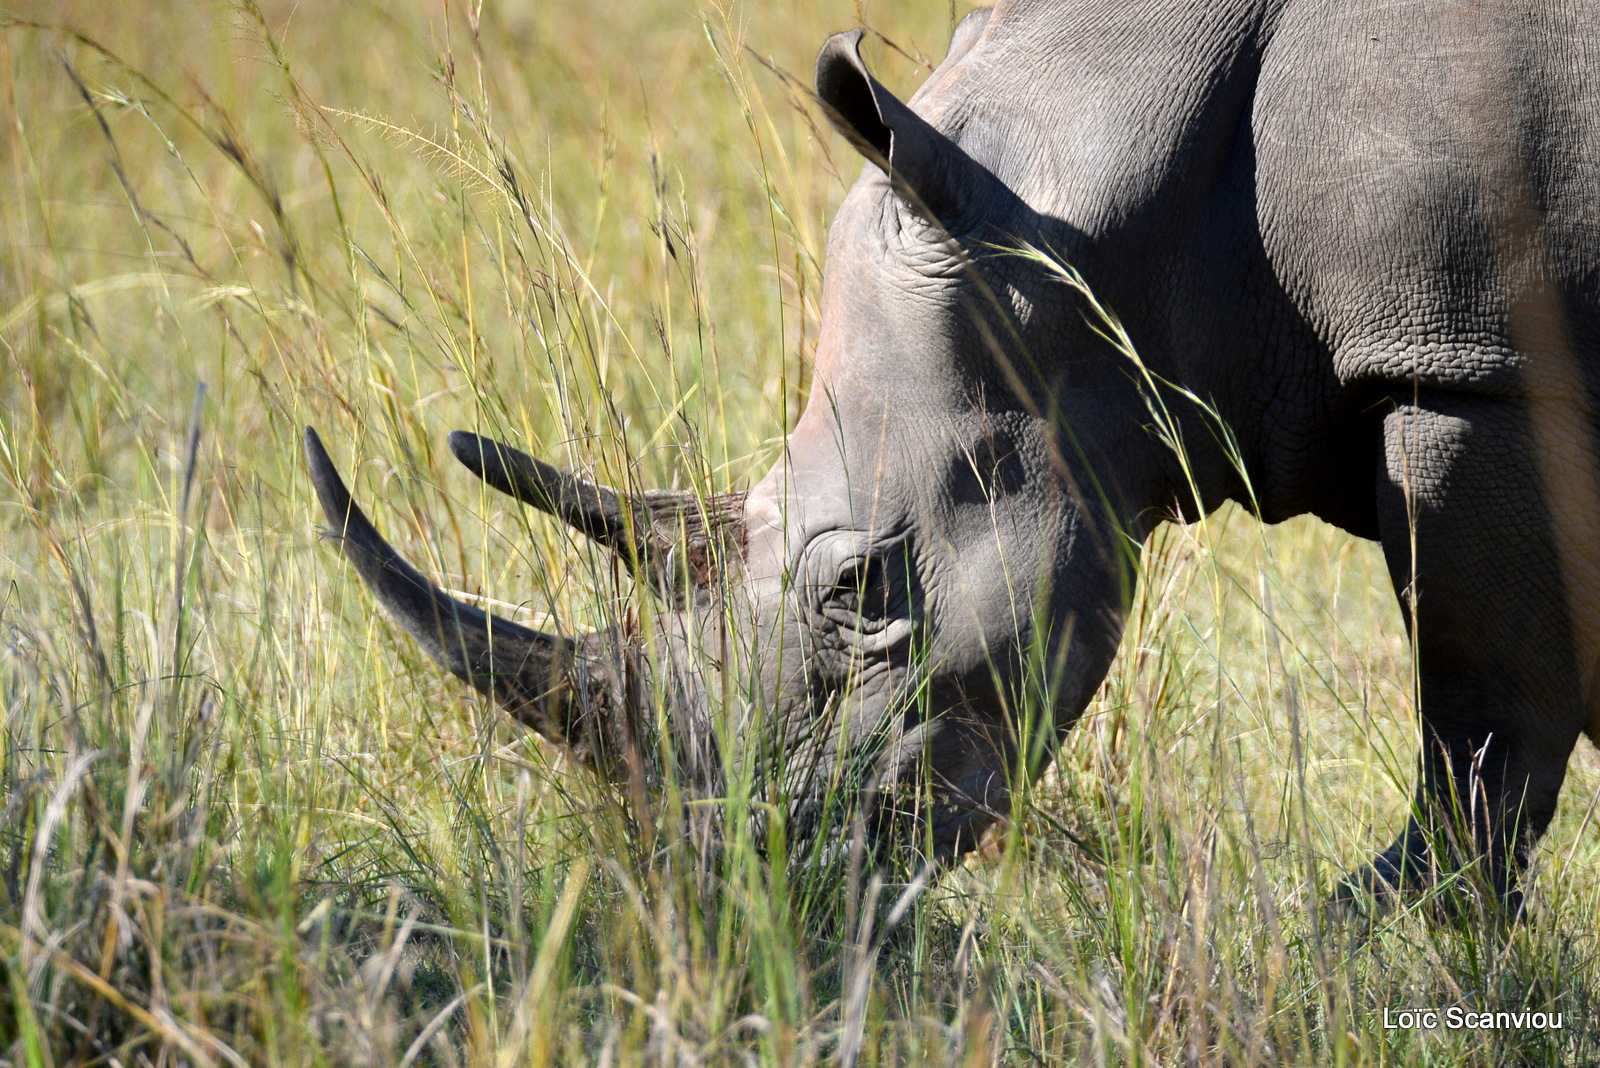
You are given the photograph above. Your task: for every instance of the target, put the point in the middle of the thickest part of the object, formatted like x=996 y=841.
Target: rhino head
x=945 y=544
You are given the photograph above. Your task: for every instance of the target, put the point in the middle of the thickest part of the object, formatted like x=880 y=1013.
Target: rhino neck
x=1116 y=119
x=1125 y=131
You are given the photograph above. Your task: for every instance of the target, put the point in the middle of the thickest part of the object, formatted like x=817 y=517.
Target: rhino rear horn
x=674 y=539
x=550 y=682
x=929 y=170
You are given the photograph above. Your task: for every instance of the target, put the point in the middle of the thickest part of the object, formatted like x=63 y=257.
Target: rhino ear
x=934 y=175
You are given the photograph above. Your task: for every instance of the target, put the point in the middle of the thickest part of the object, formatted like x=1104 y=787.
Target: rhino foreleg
x=1477 y=515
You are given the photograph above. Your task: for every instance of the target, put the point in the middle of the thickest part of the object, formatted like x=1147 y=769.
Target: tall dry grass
x=245 y=821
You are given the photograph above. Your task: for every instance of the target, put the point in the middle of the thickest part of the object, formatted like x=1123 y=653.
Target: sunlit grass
x=246 y=821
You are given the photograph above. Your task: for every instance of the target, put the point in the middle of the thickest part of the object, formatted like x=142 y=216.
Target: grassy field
x=246 y=822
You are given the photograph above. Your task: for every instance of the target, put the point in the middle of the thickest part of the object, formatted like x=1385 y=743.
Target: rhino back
x=1422 y=164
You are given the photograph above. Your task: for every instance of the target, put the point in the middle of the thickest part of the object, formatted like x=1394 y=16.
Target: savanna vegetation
x=245 y=821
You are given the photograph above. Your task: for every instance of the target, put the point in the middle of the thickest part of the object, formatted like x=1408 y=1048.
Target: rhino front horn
x=550 y=682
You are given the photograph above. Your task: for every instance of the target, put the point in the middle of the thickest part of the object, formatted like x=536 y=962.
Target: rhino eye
x=863 y=598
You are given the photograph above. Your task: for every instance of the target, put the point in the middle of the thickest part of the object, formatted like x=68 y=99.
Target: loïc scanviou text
x=1459 y=1019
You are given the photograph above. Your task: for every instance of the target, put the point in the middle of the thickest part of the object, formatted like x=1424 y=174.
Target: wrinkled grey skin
x=1368 y=233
